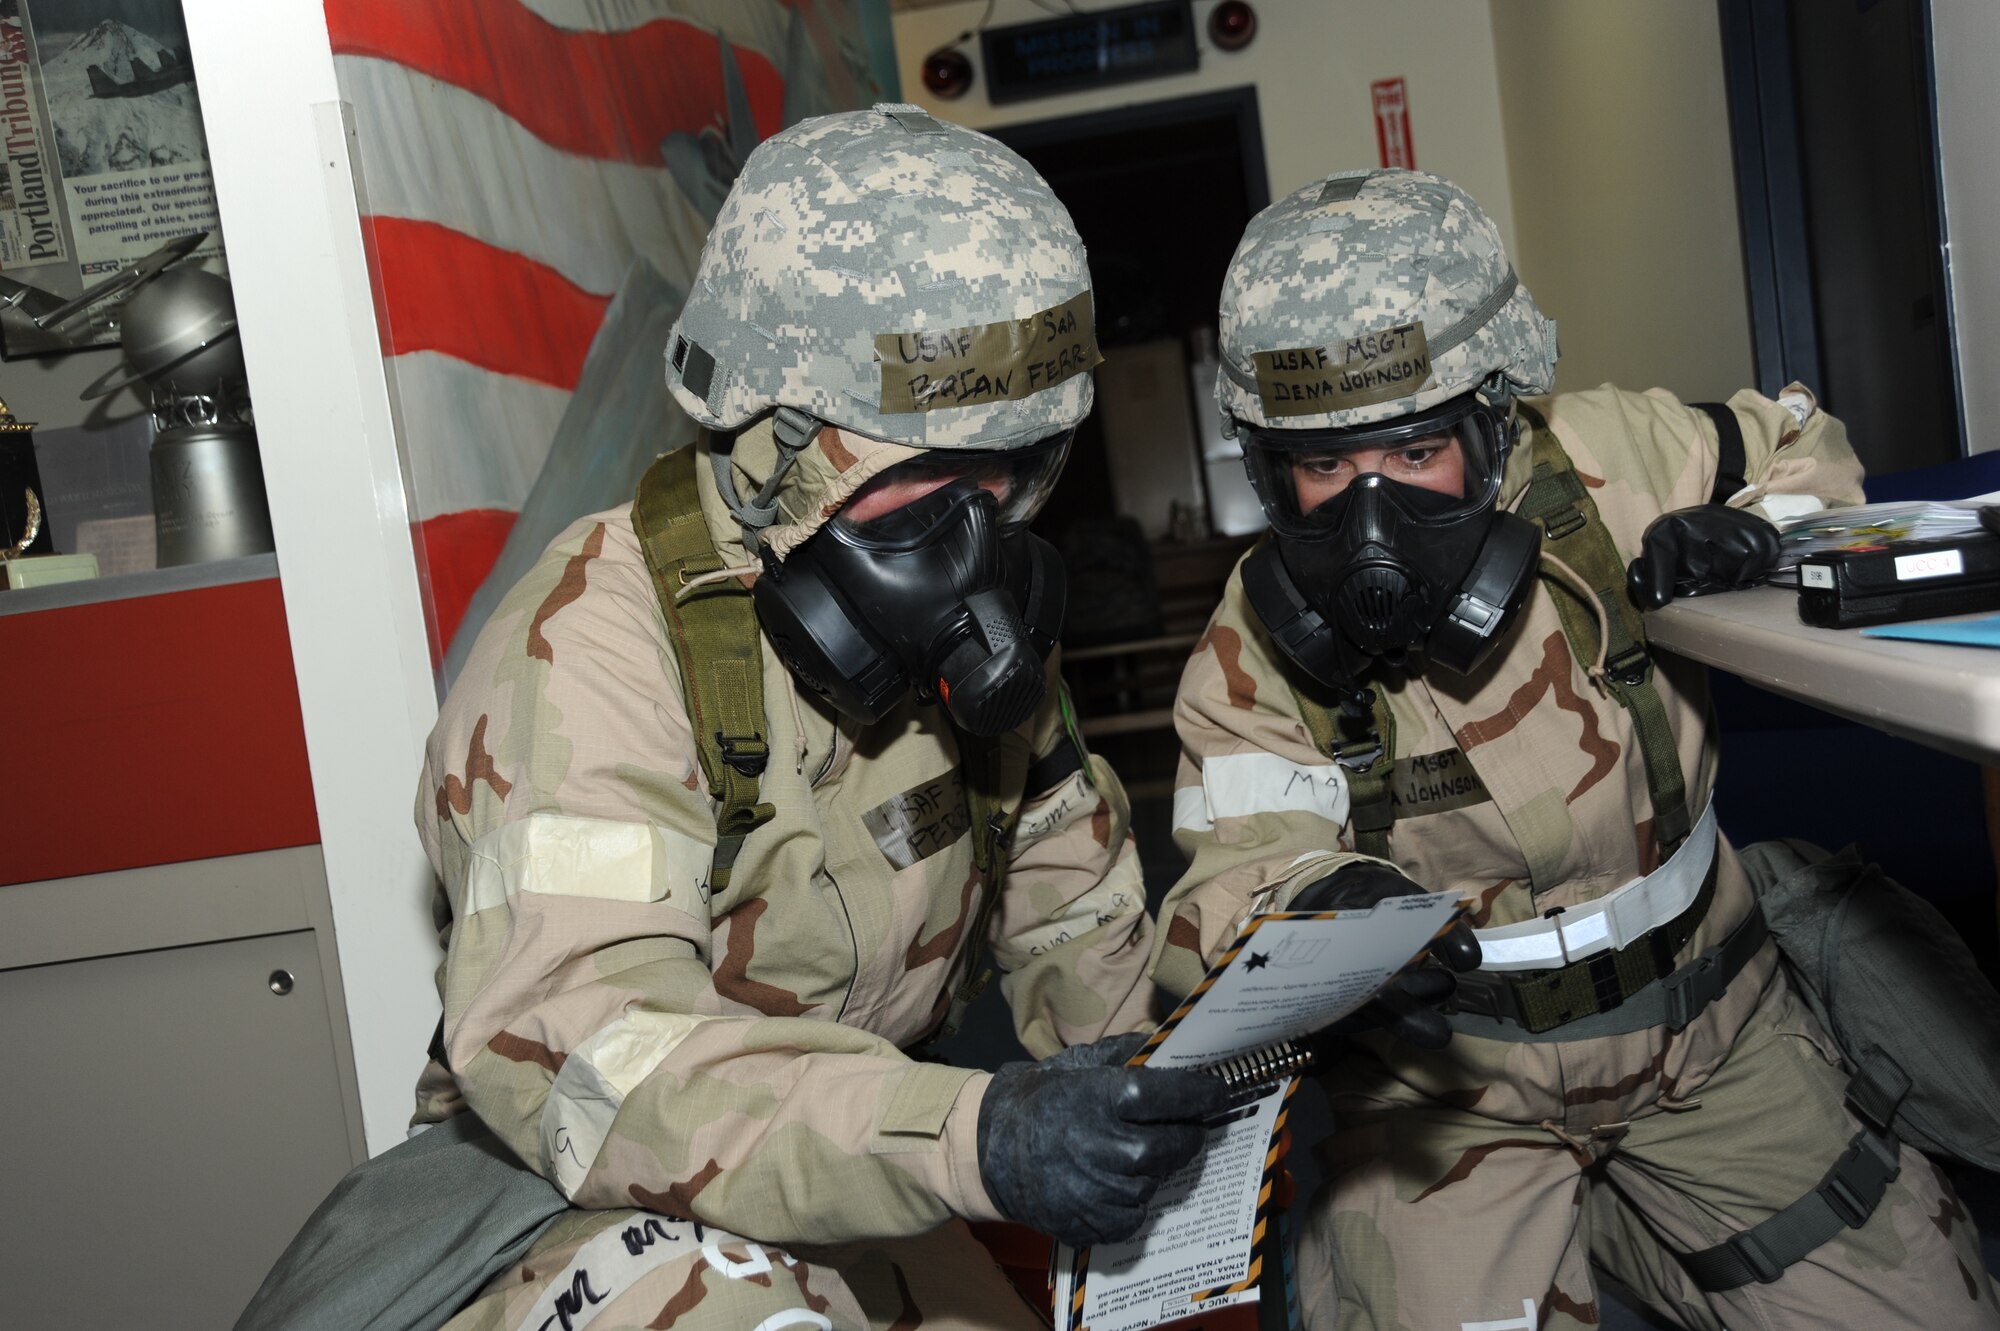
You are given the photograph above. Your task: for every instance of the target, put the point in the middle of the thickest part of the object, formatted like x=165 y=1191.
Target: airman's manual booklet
x=1287 y=975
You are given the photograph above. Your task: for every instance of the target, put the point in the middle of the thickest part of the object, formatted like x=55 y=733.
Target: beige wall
x=1617 y=129
x=1597 y=135
x=1967 y=38
x=1311 y=62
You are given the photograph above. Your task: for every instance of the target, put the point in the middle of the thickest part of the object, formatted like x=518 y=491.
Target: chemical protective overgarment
x=669 y=1053
x=1471 y=1187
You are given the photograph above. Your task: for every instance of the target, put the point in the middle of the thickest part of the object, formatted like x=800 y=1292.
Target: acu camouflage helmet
x=895 y=276
x=1372 y=295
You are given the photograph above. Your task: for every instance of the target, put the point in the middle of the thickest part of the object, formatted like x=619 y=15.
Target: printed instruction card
x=1287 y=975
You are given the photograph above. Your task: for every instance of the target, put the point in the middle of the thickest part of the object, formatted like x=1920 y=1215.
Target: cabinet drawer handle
x=281 y=982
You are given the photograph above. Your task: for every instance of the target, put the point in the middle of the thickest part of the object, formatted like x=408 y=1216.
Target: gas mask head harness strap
x=793 y=432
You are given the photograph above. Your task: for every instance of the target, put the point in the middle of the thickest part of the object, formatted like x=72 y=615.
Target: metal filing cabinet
x=170 y=1115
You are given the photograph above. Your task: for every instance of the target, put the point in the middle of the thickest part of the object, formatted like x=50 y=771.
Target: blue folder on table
x=1981 y=632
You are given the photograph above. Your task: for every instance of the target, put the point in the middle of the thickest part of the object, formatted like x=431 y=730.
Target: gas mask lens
x=906 y=502
x=1439 y=465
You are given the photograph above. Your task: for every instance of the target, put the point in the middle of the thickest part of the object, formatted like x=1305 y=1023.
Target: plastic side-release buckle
x=1855 y=1184
x=1693 y=990
x=748 y=754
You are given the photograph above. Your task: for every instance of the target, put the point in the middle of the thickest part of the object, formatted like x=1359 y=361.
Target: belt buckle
x=1683 y=999
x=1603 y=970
x=1480 y=999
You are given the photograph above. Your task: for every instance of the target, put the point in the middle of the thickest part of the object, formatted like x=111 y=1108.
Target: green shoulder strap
x=718 y=646
x=1572 y=530
x=1364 y=744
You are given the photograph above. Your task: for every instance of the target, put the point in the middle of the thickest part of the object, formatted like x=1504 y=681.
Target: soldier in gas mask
x=737 y=787
x=1432 y=676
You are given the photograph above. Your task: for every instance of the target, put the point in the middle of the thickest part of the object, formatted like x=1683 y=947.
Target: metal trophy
x=178 y=330
x=21 y=529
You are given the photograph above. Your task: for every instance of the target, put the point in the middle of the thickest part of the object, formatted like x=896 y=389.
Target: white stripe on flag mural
x=470 y=167
x=502 y=424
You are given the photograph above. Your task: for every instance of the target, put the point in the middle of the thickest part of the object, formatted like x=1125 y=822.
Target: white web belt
x=1615 y=920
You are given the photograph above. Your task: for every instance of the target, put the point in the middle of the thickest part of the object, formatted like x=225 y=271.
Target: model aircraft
x=174 y=70
x=47 y=311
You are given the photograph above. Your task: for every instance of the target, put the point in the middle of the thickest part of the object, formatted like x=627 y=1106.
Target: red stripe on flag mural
x=441 y=290
x=459 y=550
x=621 y=92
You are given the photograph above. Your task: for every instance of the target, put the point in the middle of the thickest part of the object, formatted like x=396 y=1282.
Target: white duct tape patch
x=587 y=857
x=1236 y=785
x=595 y=1079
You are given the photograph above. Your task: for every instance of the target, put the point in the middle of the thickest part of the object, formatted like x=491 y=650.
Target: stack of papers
x=1874 y=527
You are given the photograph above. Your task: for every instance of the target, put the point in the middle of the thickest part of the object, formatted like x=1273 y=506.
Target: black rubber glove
x=1407 y=1006
x=1707 y=548
x=1077 y=1144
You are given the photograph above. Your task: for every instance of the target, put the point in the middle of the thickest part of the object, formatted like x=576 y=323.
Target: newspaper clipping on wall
x=30 y=224
x=106 y=160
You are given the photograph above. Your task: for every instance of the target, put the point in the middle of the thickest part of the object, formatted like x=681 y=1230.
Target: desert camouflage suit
x=1470 y=1188
x=717 y=1079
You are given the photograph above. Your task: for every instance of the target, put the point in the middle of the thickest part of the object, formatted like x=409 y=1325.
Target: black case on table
x=1845 y=589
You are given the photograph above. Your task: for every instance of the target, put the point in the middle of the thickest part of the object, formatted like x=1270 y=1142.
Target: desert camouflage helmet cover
x=894 y=275
x=1371 y=295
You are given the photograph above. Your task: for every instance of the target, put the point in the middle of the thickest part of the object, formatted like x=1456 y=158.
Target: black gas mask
x=927 y=579
x=1387 y=540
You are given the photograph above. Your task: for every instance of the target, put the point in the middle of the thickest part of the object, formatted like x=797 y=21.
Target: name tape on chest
x=921 y=821
x=996 y=362
x=1434 y=783
x=1359 y=372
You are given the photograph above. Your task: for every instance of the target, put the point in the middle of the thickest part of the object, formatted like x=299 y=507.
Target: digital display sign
x=1088 y=50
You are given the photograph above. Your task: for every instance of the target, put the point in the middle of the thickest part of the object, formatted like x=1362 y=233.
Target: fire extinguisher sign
x=1392 y=123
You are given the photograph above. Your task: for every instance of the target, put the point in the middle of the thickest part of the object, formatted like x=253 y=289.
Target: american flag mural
x=521 y=162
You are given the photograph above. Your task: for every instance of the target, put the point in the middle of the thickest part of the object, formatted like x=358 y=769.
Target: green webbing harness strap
x=1557 y=502
x=993 y=767
x=718 y=646
x=1844 y=1199
x=1364 y=744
